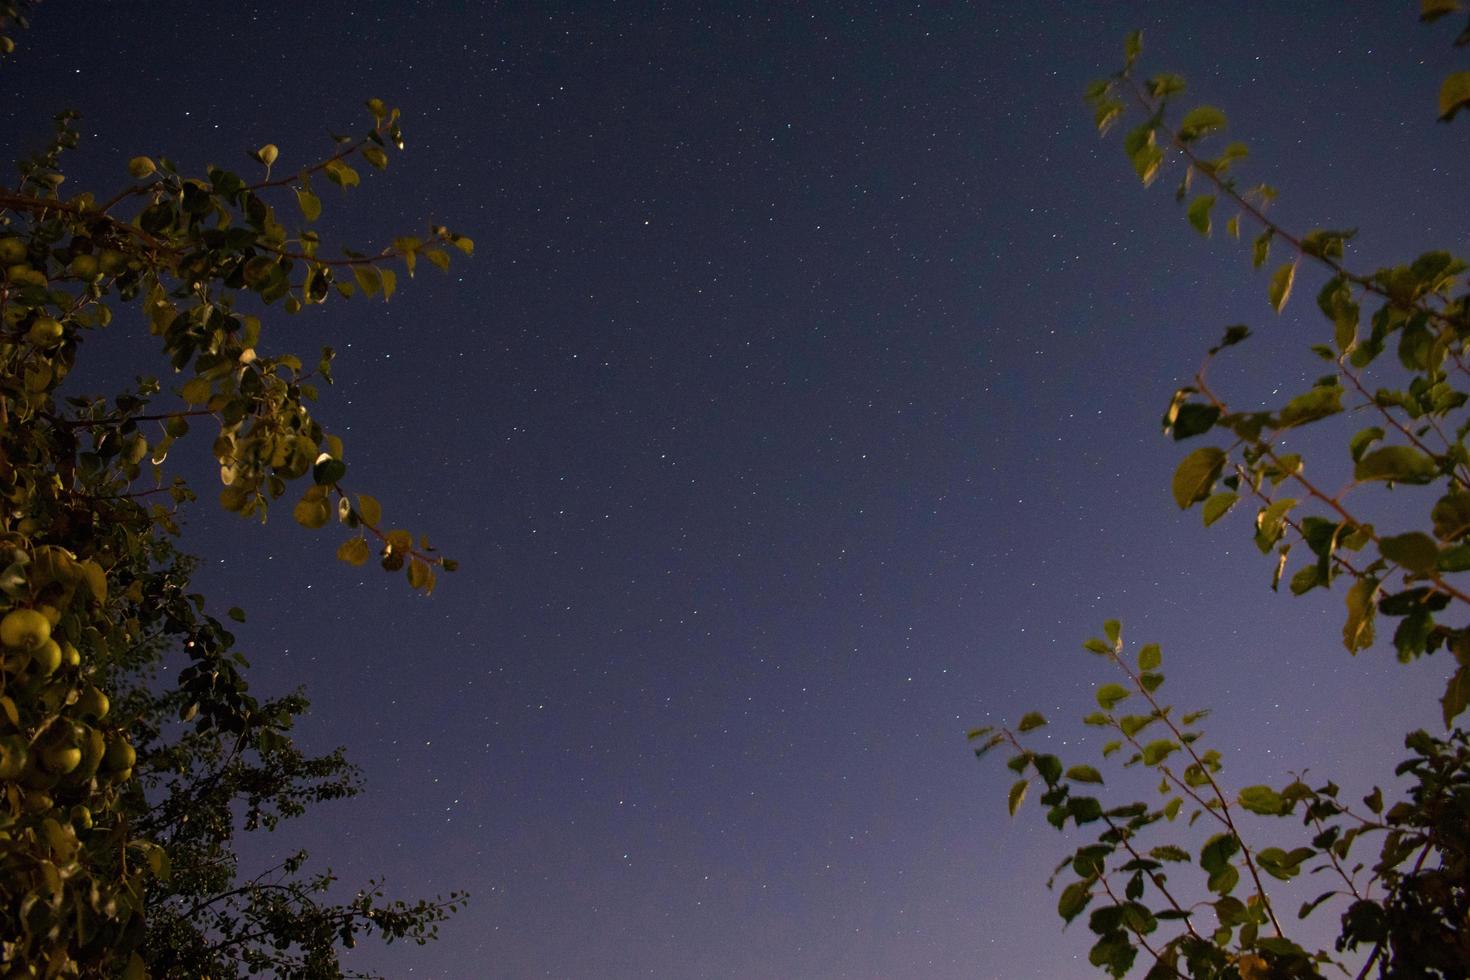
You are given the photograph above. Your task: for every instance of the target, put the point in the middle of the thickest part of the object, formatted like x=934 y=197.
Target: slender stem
x=1224 y=810
x=1228 y=189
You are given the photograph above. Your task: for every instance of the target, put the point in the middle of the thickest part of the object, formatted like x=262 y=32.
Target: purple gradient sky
x=798 y=412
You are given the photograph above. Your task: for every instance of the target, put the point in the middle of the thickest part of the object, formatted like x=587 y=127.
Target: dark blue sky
x=798 y=412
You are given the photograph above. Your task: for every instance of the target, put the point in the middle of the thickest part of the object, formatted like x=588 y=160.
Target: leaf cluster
x=1402 y=911
x=132 y=752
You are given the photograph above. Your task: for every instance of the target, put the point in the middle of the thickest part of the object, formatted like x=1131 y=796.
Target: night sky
x=798 y=412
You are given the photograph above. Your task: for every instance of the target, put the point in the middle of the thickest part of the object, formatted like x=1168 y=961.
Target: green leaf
x=1110 y=694
x=1164 y=85
x=1200 y=121
x=141 y=167
x=1113 y=630
x=1199 y=213
x=1263 y=800
x=1416 y=552
x=1400 y=464
x=1132 y=48
x=368 y=278
x=1261 y=249
x=237 y=614
x=1454 y=94
x=1307 y=578
x=1030 y=720
x=1133 y=724
x=1233 y=335
x=1074 y=899
x=1280 y=289
x=1097 y=646
x=1084 y=774
x=1318 y=403
x=1158 y=750
x=1357 y=630
x=1218 y=851
x=1142 y=149
x=1360 y=442
x=1451 y=516
x=1456 y=695
x=1218 y=505
x=375 y=156
x=1017 y=795
x=310 y=204
x=1196 y=475
x=1150 y=657
x=1192 y=419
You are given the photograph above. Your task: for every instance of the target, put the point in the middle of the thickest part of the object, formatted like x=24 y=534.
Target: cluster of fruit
x=65 y=748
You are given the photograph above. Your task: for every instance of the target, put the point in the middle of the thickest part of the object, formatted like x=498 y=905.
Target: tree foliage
x=132 y=752
x=1399 y=871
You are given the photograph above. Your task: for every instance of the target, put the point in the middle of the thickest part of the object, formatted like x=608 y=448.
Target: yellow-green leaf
x=1196 y=475
x=354 y=551
x=1454 y=94
x=369 y=509
x=1017 y=795
x=312 y=514
x=1357 y=631
x=311 y=205
x=1280 y=290
x=369 y=279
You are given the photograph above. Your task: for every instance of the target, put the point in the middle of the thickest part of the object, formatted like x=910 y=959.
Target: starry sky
x=798 y=412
